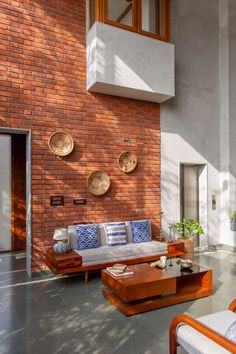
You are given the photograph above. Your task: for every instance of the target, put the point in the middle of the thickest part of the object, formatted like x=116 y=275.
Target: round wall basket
x=98 y=182
x=61 y=143
x=127 y=161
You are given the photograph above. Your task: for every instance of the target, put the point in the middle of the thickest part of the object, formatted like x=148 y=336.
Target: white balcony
x=127 y=64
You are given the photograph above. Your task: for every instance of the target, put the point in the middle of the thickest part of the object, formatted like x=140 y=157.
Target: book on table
x=120 y=270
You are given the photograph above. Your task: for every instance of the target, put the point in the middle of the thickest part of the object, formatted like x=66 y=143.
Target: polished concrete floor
x=63 y=315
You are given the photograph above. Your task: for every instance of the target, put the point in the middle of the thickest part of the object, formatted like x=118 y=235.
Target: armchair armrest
x=232 y=306
x=208 y=332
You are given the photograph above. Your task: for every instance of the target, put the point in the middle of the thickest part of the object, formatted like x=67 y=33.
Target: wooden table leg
x=86 y=277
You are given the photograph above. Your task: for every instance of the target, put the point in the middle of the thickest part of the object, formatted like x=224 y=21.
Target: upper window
x=149 y=17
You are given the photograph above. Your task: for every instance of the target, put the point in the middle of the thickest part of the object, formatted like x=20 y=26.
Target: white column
x=5 y=192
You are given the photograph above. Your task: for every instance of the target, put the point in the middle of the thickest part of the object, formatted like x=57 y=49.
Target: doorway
x=15 y=192
x=12 y=192
x=193 y=196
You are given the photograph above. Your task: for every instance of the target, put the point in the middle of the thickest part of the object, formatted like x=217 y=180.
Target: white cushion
x=106 y=254
x=116 y=233
x=231 y=332
x=196 y=343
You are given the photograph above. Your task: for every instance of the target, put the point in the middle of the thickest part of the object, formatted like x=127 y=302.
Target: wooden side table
x=66 y=263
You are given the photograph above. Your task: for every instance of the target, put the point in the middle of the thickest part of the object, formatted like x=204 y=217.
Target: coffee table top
x=143 y=273
x=175 y=269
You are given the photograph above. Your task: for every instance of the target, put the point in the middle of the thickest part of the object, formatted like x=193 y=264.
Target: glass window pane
x=120 y=11
x=152 y=16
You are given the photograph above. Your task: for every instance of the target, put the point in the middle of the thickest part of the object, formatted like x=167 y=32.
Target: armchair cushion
x=196 y=343
x=231 y=332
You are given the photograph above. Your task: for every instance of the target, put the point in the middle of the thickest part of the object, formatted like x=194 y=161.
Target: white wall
x=176 y=150
x=127 y=64
x=190 y=122
x=232 y=111
x=5 y=192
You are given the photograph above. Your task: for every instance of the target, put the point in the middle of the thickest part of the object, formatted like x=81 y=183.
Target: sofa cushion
x=105 y=254
x=102 y=234
x=116 y=233
x=141 y=231
x=87 y=236
x=231 y=332
x=196 y=343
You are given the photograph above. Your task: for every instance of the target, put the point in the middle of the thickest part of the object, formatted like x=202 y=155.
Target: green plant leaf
x=188 y=228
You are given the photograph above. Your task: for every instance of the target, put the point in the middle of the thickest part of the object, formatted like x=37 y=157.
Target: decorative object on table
x=185 y=264
x=158 y=264
x=61 y=143
x=98 y=182
x=163 y=260
x=160 y=237
x=127 y=161
x=171 y=225
x=233 y=221
x=61 y=238
x=187 y=229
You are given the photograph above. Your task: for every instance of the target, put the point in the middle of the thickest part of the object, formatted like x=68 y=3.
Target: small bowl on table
x=186 y=264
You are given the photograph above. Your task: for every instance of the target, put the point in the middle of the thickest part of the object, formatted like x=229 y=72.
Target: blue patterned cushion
x=141 y=231
x=87 y=236
x=231 y=332
x=116 y=233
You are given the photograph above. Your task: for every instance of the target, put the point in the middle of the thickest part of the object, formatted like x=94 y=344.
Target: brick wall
x=43 y=88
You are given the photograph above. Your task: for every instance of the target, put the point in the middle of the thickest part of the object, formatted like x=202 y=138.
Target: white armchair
x=205 y=335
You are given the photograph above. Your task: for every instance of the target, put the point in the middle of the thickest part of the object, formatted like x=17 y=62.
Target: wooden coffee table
x=152 y=288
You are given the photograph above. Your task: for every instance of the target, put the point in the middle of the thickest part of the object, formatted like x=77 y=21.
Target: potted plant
x=187 y=229
x=233 y=221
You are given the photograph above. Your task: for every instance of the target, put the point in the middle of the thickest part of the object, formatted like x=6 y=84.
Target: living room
x=167 y=97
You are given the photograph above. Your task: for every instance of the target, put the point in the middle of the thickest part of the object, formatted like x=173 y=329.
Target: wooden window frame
x=166 y=22
x=133 y=27
x=101 y=14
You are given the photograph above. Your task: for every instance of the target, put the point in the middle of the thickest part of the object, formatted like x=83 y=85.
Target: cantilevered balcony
x=128 y=64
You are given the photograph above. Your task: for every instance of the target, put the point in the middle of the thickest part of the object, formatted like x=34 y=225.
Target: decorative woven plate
x=61 y=143
x=98 y=182
x=127 y=161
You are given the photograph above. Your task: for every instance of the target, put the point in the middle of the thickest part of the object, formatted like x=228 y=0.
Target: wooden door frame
x=27 y=133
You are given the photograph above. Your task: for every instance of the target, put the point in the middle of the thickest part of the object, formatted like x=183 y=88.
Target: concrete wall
x=232 y=111
x=128 y=64
x=190 y=121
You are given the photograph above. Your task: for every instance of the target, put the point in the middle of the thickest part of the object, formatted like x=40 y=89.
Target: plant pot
x=233 y=225
x=188 y=248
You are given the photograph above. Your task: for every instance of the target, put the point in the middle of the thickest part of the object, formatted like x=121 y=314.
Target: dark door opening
x=18 y=215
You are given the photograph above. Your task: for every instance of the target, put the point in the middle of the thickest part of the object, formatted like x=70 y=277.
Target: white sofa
x=107 y=254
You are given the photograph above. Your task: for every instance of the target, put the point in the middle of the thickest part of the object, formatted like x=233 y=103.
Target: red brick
x=43 y=88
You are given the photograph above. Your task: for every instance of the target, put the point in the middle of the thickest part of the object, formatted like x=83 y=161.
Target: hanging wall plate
x=127 y=161
x=61 y=143
x=98 y=182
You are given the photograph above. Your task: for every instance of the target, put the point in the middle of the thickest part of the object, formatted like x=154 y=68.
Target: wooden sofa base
x=72 y=262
